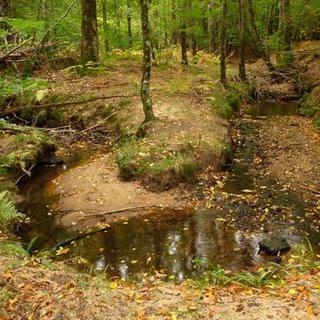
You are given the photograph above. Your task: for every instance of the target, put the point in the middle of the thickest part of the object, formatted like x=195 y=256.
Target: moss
x=21 y=150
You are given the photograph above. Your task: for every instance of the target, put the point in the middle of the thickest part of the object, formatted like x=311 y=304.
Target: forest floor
x=288 y=153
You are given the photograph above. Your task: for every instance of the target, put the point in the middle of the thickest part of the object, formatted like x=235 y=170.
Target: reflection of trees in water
x=170 y=246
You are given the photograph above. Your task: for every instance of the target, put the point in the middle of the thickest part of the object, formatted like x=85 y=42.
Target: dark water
x=273 y=108
x=174 y=241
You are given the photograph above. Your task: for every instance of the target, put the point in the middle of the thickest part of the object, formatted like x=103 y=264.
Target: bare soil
x=38 y=293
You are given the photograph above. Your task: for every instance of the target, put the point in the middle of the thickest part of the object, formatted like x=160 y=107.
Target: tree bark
x=129 y=21
x=89 y=41
x=223 y=44
x=146 y=67
x=285 y=57
x=211 y=44
x=242 y=61
x=257 y=39
x=105 y=26
x=183 y=38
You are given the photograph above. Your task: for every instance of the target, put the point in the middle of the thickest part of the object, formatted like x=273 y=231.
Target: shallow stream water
x=168 y=241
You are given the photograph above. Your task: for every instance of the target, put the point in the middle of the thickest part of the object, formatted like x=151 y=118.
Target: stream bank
x=268 y=192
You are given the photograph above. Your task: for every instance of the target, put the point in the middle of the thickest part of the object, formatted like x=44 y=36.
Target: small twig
x=26 y=173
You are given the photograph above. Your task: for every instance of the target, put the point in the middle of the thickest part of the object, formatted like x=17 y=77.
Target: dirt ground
x=34 y=292
x=95 y=187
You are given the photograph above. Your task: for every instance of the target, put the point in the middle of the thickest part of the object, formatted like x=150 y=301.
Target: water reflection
x=170 y=245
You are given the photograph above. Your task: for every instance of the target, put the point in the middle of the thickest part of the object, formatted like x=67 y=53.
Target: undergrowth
x=302 y=260
x=8 y=211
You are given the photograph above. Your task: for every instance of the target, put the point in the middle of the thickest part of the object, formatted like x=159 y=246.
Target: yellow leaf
x=292 y=292
x=113 y=285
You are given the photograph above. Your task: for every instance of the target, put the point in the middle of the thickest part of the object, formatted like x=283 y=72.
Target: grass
x=136 y=159
x=302 y=260
x=220 y=106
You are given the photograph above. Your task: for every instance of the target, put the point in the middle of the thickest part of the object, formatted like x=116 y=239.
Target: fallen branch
x=3 y=58
x=62 y=104
x=101 y=229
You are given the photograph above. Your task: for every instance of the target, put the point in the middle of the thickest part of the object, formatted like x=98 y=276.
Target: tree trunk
x=105 y=26
x=285 y=56
x=129 y=20
x=256 y=38
x=242 y=61
x=193 y=38
x=183 y=38
x=146 y=68
x=223 y=44
x=211 y=45
x=89 y=41
x=47 y=9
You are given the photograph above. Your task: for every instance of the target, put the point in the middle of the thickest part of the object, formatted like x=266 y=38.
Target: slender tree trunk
x=105 y=26
x=257 y=39
x=242 y=61
x=183 y=38
x=146 y=68
x=89 y=41
x=285 y=56
x=175 y=33
x=194 y=44
x=129 y=21
x=223 y=44
x=118 y=18
x=47 y=9
x=211 y=45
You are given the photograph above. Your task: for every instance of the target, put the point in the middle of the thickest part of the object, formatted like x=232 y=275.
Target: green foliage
x=27 y=28
x=5 y=295
x=220 y=106
x=311 y=106
x=233 y=99
x=21 y=91
x=8 y=212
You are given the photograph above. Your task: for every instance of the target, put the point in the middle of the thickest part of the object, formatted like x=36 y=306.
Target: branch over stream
x=61 y=104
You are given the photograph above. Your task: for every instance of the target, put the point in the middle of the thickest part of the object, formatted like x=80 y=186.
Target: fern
x=8 y=212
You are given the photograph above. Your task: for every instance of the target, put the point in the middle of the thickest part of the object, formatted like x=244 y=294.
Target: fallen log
x=61 y=104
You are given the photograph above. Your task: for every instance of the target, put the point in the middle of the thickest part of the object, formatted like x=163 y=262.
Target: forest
x=159 y=159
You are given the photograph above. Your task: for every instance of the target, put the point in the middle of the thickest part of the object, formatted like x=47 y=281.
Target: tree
x=258 y=43
x=285 y=56
x=183 y=37
x=223 y=43
x=129 y=21
x=242 y=62
x=105 y=26
x=146 y=66
x=89 y=40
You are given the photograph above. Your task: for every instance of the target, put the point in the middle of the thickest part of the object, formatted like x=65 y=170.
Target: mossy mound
x=20 y=149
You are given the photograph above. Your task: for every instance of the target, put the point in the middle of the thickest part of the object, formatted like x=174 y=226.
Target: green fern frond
x=8 y=212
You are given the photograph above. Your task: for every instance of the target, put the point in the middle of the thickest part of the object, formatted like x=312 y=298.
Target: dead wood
x=62 y=104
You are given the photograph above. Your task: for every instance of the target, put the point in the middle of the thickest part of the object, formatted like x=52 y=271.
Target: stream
x=174 y=242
